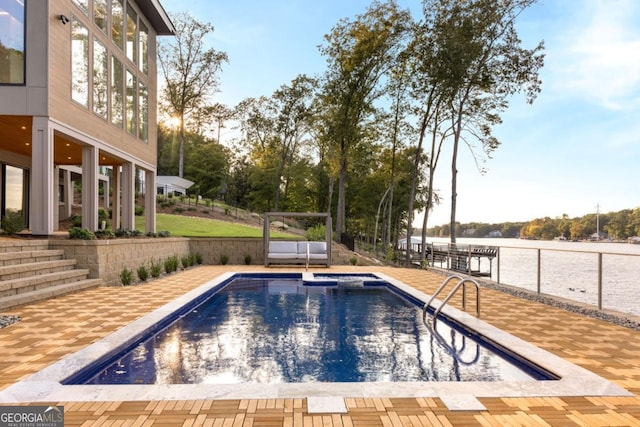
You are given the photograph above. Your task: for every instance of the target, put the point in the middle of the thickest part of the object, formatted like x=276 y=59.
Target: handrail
x=454 y=290
x=306 y=267
x=462 y=282
x=435 y=294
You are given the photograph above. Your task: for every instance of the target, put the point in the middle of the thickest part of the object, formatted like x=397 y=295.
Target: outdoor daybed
x=296 y=251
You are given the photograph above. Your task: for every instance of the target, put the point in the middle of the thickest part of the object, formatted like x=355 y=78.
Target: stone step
x=17 y=271
x=26 y=257
x=19 y=245
x=40 y=281
x=13 y=301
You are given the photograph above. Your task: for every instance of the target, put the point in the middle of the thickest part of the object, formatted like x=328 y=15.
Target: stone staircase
x=30 y=272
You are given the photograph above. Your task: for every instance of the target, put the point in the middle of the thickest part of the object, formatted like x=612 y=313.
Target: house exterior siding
x=44 y=130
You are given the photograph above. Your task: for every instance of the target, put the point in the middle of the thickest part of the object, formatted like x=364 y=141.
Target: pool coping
x=45 y=385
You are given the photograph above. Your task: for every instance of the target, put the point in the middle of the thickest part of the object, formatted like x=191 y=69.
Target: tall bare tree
x=190 y=70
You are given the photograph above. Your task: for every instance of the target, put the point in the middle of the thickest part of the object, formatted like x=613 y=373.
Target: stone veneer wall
x=105 y=259
x=236 y=249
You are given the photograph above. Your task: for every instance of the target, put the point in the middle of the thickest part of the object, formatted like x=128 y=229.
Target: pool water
x=264 y=330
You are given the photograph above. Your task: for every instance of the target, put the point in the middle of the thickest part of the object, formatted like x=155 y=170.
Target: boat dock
x=460 y=258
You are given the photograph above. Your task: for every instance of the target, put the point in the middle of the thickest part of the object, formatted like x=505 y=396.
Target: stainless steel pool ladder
x=462 y=281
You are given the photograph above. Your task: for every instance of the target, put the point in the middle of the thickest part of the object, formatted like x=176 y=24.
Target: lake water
x=568 y=269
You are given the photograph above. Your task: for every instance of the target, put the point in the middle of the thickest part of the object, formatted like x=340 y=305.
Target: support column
x=115 y=198
x=90 y=188
x=68 y=193
x=150 y=201
x=56 y=198
x=105 y=187
x=42 y=193
x=128 y=196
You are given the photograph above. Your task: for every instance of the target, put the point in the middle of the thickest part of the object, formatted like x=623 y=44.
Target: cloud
x=597 y=57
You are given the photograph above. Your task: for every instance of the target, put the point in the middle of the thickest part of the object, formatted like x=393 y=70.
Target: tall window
x=117 y=92
x=79 y=63
x=100 y=82
x=132 y=101
x=100 y=14
x=83 y=5
x=13 y=191
x=143 y=112
x=117 y=23
x=132 y=32
x=143 y=38
x=12 y=36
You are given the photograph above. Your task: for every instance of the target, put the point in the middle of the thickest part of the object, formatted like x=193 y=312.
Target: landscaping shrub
x=171 y=264
x=103 y=214
x=317 y=233
x=81 y=234
x=197 y=258
x=185 y=260
x=164 y=233
x=76 y=221
x=143 y=273
x=126 y=277
x=178 y=210
x=139 y=210
x=247 y=259
x=155 y=269
x=224 y=259
x=353 y=260
x=121 y=232
x=104 y=234
x=12 y=223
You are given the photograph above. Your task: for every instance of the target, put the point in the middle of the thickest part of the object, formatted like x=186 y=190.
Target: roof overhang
x=157 y=16
x=174 y=181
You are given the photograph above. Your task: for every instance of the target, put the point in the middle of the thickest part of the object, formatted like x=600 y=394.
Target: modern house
x=78 y=92
x=172 y=185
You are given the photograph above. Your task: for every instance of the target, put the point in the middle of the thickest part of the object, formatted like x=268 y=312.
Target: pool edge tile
x=326 y=404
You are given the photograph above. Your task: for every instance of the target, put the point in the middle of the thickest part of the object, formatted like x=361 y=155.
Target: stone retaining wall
x=105 y=259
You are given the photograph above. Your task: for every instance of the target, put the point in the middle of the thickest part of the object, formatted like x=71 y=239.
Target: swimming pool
x=266 y=329
x=48 y=384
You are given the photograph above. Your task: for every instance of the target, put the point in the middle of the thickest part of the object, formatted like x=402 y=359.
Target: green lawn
x=185 y=226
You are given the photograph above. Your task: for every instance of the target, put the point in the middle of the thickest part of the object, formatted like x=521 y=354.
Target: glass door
x=15 y=182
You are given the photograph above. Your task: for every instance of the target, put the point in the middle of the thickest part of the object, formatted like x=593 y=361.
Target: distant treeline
x=614 y=225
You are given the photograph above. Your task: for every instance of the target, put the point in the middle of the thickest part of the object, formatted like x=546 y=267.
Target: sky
x=574 y=151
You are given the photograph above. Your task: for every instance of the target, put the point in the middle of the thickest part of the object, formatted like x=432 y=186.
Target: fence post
x=498 y=261
x=599 y=280
x=539 y=252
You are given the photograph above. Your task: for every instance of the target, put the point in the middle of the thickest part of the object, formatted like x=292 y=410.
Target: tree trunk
x=341 y=211
x=181 y=150
x=414 y=184
x=330 y=197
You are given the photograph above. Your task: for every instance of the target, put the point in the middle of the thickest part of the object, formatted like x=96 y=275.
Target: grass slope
x=186 y=226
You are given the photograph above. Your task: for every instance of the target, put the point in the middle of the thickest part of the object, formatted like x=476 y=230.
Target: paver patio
x=53 y=329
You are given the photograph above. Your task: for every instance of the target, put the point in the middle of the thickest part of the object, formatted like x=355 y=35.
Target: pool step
x=31 y=272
